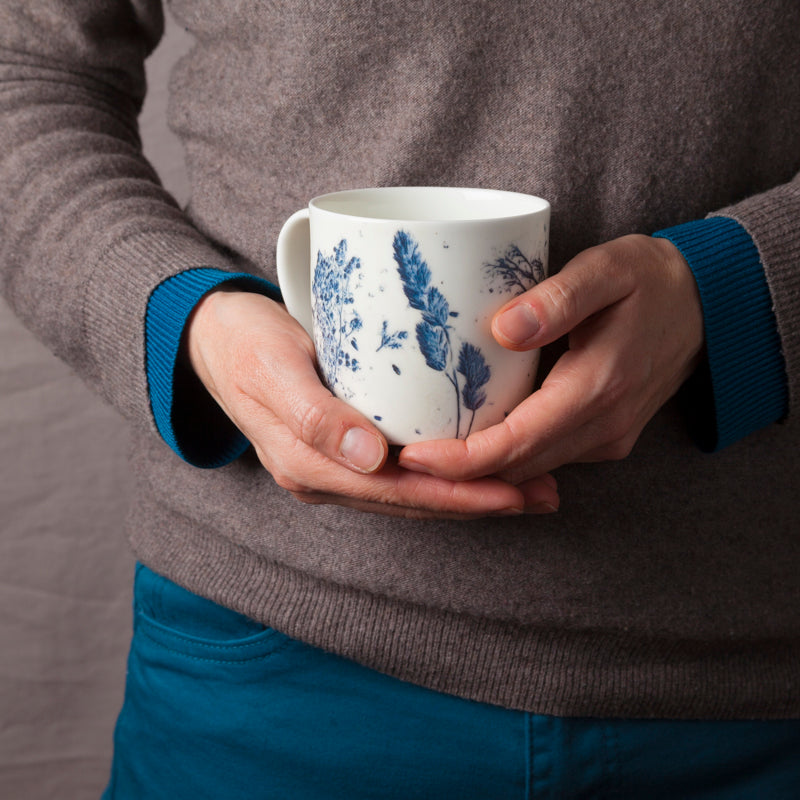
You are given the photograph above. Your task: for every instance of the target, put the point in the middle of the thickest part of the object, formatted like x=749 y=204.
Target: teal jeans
x=218 y=707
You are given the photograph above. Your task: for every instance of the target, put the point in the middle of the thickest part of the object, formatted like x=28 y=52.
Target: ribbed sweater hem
x=564 y=672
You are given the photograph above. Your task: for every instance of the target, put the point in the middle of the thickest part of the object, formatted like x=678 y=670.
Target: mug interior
x=429 y=203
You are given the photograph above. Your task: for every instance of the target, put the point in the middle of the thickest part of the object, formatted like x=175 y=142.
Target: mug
x=397 y=287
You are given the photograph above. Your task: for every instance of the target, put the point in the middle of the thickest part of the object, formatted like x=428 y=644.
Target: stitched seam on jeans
x=255 y=640
x=528 y=756
x=611 y=761
x=221 y=660
x=260 y=657
x=541 y=777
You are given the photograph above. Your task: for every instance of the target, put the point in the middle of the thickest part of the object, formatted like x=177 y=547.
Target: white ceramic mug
x=397 y=287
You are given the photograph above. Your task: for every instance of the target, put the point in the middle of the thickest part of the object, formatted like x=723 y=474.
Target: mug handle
x=293 y=255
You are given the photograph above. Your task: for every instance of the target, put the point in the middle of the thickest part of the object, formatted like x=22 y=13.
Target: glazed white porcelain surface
x=397 y=287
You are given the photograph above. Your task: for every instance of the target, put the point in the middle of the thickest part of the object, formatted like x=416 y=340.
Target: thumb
x=587 y=284
x=258 y=364
x=329 y=425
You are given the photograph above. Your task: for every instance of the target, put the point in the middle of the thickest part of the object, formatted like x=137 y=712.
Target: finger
x=310 y=476
x=404 y=512
x=398 y=487
x=551 y=309
x=602 y=424
x=580 y=447
x=482 y=453
x=541 y=494
x=547 y=419
x=413 y=511
x=324 y=422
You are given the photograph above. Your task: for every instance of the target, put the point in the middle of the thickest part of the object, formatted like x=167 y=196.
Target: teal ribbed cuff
x=219 y=442
x=745 y=366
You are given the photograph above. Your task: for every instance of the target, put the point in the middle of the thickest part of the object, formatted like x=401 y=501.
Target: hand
x=632 y=312
x=258 y=364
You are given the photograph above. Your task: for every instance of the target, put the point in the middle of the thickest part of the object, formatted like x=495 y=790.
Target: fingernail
x=511 y=511
x=542 y=508
x=518 y=324
x=362 y=449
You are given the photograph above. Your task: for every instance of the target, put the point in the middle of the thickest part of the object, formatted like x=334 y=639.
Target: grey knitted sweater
x=668 y=583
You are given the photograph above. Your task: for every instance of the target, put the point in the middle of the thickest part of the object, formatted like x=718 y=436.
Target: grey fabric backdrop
x=65 y=569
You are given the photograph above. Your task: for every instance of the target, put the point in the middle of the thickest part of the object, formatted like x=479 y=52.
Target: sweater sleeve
x=742 y=385
x=187 y=418
x=86 y=230
x=772 y=220
x=746 y=258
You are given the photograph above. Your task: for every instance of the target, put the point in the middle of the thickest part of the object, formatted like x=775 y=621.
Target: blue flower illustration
x=393 y=341
x=515 y=271
x=336 y=319
x=434 y=331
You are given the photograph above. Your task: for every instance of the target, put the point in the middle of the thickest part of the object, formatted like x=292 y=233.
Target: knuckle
x=605 y=258
x=312 y=421
x=615 y=435
x=515 y=437
x=612 y=403
x=620 y=442
x=562 y=296
x=618 y=428
x=287 y=476
x=611 y=393
x=289 y=483
x=619 y=449
x=475 y=451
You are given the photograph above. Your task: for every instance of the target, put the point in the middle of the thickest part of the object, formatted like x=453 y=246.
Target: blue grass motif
x=434 y=344
x=437 y=309
x=413 y=270
x=337 y=320
x=476 y=372
x=393 y=341
x=516 y=273
x=433 y=331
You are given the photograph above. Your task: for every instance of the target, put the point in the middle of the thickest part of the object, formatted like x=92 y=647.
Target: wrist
x=184 y=414
x=198 y=332
x=689 y=298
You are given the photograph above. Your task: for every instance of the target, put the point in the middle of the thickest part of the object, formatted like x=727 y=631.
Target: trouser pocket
x=185 y=623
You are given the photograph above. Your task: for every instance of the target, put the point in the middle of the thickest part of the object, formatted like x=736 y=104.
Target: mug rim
x=509 y=204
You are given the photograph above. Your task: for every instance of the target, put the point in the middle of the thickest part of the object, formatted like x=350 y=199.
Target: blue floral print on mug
x=338 y=321
x=398 y=293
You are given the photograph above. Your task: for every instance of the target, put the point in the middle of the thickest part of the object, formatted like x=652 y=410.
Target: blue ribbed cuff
x=745 y=373
x=214 y=441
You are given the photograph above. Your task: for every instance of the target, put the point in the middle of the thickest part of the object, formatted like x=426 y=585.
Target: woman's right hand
x=258 y=364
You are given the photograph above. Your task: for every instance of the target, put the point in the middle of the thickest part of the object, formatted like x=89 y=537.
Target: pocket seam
x=156 y=632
